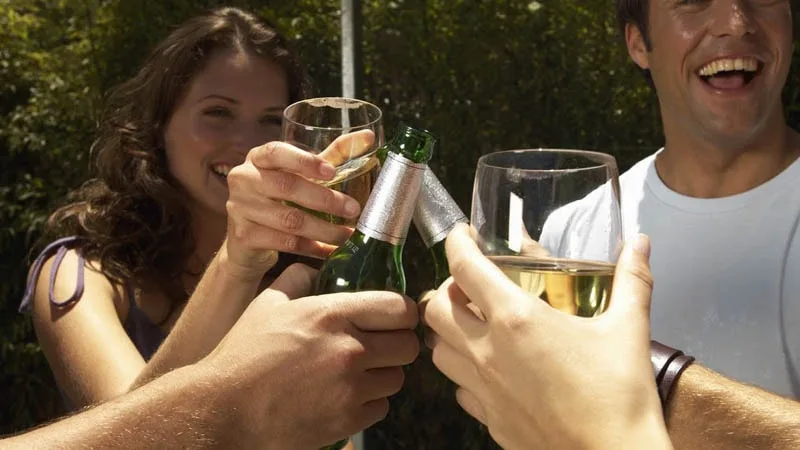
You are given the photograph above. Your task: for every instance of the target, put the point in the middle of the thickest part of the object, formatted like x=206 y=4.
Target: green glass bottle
x=435 y=215
x=372 y=259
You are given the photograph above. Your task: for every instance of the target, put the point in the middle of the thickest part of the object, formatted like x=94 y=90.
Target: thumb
x=348 y=146
x=426 y=296
x=633 y=282
x=296 y=281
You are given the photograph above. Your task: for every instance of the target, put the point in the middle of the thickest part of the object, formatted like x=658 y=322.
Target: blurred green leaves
x=483 y=75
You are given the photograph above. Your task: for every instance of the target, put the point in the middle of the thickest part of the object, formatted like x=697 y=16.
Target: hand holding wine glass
x=550 y=219
x=538 y=378
x=295 y=196
x=344 y=132
x=261 y=223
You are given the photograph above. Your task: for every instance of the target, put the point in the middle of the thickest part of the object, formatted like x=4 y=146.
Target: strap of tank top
x=61 y=246
x=131 y=293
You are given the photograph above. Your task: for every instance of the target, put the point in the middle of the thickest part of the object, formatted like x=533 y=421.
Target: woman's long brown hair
x=132 y=216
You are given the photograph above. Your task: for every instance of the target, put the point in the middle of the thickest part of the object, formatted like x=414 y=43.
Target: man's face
x=718 y=66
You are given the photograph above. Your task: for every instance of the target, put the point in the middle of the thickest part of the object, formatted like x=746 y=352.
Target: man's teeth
x=728 y=65
x=221 y=169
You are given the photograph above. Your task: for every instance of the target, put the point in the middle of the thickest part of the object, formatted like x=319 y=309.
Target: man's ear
x=637 y=48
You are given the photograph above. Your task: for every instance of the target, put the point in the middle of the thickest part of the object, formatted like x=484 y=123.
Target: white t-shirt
x=726 y=271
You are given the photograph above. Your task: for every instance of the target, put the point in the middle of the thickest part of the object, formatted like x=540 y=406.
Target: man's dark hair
x=634 y=12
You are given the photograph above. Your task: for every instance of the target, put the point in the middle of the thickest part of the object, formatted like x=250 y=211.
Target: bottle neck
x=436 y=213
x=390 y=208
x=412 y=143
x=440 y=265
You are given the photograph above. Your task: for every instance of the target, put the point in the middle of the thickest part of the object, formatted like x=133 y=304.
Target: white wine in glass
x=550 y=220
x=581 y=288
x=346 y=132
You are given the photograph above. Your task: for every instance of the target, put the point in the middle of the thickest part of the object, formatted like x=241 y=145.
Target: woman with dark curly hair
x=156 y=258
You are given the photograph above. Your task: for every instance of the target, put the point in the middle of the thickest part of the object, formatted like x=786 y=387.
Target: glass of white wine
x=344 y=131
x=550 y=219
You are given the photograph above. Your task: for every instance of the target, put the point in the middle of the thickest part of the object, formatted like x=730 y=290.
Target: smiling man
x=721 y=205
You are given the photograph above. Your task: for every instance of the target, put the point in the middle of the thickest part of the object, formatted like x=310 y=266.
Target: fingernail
x=327 y=170
x=642 y=244
x=352 y=208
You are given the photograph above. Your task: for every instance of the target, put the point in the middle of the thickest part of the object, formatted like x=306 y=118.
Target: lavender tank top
x=146 y=335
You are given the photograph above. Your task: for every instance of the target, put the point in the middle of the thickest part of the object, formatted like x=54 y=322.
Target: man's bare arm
x=179 y=409
x=709 y=411
x=286 y=367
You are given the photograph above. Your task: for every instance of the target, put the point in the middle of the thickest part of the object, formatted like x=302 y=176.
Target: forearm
x=178 y=410
x=219 y=300
x=709 y=411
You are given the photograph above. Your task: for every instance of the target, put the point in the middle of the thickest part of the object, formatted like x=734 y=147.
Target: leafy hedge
x=484 y=75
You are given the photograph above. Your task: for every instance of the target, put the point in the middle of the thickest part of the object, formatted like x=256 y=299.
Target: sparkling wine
x=580 y=288
x=355 y=179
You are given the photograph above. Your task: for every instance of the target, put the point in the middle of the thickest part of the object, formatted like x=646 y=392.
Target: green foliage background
x=484 y=75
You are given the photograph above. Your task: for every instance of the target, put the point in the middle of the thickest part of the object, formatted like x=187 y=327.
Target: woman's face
x=232 y=105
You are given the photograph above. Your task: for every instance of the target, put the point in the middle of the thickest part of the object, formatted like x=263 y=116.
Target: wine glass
x=550 y=219
x=344 y=131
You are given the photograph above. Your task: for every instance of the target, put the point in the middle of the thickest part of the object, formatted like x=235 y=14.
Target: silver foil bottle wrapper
x=436 y=212
x=388 y=212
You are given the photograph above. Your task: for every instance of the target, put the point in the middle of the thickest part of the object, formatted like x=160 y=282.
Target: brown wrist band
x=668 y=364
x=671 y=375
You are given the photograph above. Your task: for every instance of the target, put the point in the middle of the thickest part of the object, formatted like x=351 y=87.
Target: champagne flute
x=550 y=219
x=344 y=131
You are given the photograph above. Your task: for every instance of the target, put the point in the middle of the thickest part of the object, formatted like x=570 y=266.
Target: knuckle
x=291 y=243
x=485 y=364
x=642 y=274
x=329 y=314
x=235 y=181
x=513 y=321
x=351 y=353
x=267 y=258
x=307 y=162
x=330 y=201
x=292 y=219
x=237 y=172
x=235 y=231
x=285 y=183
x=233 y=178
x=269 y=150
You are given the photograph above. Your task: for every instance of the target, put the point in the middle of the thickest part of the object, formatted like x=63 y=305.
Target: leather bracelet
x=668 y=365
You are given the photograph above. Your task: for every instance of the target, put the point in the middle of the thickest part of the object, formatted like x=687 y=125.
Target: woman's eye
x=271 y=120
x=218 y=112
